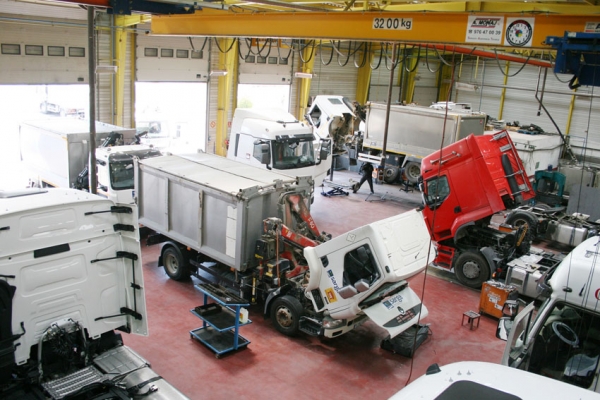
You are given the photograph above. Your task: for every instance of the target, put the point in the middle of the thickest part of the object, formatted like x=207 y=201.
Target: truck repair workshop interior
x=233 y=199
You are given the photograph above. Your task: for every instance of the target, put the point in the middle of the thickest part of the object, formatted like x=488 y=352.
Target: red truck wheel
x=471 y=269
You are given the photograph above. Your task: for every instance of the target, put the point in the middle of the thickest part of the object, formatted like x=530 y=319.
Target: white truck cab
x=276 y=139
x=563 y=340
x=363 y=274
x=114 y=166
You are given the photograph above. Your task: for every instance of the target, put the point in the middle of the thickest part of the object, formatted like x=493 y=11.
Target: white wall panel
x=426 y=81
x=170 y=58
x=584 y=132
x=43 y=69
x=380 y=81
x=335 y=78
x=264 y=64
x=521 y=104
x=57 y=10
x=487 y=98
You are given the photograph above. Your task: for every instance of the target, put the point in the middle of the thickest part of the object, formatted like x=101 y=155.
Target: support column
x=445 y=85
x=120 y=58
x=309 y=54
x=503 y=94
x=412 y=67
x=227 y=62
x=571 y=109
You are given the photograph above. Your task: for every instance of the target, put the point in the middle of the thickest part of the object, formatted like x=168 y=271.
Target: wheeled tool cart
x=221 y=320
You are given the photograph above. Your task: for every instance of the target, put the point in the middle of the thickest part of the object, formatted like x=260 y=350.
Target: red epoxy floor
x=275 y=366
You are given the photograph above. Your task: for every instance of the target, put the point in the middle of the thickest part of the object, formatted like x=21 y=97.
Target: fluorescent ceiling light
x=304 y=75
x=467 y=87
x=106 y=69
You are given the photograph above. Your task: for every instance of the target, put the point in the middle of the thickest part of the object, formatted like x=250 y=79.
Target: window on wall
x=263 y=96
x=173 y=114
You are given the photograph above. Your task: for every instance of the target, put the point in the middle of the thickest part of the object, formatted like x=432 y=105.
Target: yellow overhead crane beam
x=417 y=27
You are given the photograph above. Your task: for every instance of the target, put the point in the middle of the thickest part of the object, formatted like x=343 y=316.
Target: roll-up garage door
x=380 y=81
x=482 y=98
x=171 y=90
x=264 y=75
x=43 y=54
x=426 y=81
x=264 y=63
x=334 y=74
x=43 y=72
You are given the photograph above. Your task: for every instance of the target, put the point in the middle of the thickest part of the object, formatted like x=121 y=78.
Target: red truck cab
x=464 y=184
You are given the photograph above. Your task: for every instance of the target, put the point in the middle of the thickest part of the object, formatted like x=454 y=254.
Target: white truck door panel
x=398 y=312
x=515 y=345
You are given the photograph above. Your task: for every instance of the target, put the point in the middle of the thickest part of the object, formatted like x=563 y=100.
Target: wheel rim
x=413 y=171
x=519 y=222
x=284 y=317
x=171 y=263
x=471 y=270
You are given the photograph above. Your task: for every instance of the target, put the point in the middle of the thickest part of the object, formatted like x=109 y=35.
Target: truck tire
x=390 y=174
x=285 y=314
x=522 y=218
x=471 y=269
x=412 y=171
x=176 y=264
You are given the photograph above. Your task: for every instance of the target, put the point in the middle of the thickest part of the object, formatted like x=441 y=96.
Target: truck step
x=59 y=388
x=309 y=326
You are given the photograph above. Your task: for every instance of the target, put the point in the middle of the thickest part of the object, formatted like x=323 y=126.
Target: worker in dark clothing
x=367 y=175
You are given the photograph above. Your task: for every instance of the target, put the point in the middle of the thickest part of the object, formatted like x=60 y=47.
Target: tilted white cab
x=71 y=276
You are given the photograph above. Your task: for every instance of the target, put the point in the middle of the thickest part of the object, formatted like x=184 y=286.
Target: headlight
x=329 y=323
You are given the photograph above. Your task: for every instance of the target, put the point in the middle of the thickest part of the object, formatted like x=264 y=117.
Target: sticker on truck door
x=331 y=297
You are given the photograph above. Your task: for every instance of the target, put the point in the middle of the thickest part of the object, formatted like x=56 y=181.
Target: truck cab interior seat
x=358 y=266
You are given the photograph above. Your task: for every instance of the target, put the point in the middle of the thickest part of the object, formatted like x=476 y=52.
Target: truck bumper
x=344 y=328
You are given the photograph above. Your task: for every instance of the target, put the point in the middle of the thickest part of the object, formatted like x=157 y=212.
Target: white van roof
x=483 y=380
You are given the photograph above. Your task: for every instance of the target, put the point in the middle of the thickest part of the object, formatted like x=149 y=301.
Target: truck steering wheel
x=567 y=331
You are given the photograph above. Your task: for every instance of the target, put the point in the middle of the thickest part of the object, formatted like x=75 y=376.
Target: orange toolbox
x=493 y=296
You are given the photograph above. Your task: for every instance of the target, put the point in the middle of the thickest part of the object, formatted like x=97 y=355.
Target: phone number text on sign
x=400 y=24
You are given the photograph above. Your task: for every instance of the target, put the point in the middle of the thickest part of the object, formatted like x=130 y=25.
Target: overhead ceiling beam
x=503 y=6
x=284 y=5
x=413 y=27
